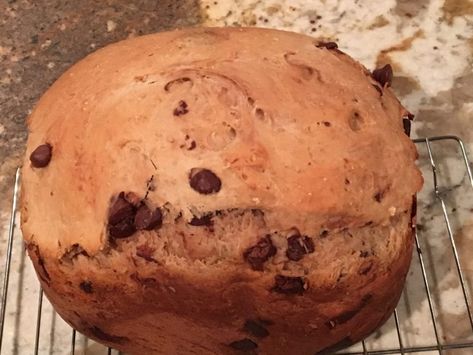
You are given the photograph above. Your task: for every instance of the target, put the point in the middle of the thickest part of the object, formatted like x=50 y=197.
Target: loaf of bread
x=215 y=191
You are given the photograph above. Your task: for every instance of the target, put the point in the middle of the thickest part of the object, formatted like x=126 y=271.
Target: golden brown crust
x=235 y=139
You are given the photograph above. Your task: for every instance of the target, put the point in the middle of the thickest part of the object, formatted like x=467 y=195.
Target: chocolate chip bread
x=215 y=191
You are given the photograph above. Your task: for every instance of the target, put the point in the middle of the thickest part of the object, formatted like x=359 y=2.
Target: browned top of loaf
x=297 y=131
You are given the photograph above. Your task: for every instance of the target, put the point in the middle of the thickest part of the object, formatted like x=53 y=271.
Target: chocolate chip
x=120 y=209
x=181 y=108
x=328 y=45
x=122 y=229
x=86 y=286
x=101 y=335
x=204 y=181
x=332 y=349
x=326 y=123
x=410 y=116
x=258 y=254
x=146 y=252
x=295 y=250
x=147 y=218
x=298 y=246
x=383 y=75
x=256 y=329
x=244 y=345
x=204 y=220
x=289 y=285
x=41 y=156
x=406 y=123
x=378 y=196
x=323 y=233
x=121 y=218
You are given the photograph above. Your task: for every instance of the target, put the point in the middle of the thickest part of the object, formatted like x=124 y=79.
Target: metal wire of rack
x=438 y=347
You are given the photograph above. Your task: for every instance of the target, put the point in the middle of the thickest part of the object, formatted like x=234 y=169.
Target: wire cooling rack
x=438 y=345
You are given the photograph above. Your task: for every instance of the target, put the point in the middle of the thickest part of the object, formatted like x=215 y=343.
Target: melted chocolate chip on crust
x=181 y=109
x=328 y=45
x=255 y=329
x=120 y=209
x=298 y=246
x=41 y=156
x=295 y=250
x=86 y=286
x=378 y=197
x=243 y=345
x=258 y=254
x=289 y=285
x=205 y=220
x=122 y=229
x=204 y=181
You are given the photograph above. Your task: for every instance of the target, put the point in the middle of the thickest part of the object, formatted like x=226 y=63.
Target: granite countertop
x=428 y=42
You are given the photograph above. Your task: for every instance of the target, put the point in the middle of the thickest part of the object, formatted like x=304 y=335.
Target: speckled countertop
x=428 y=42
